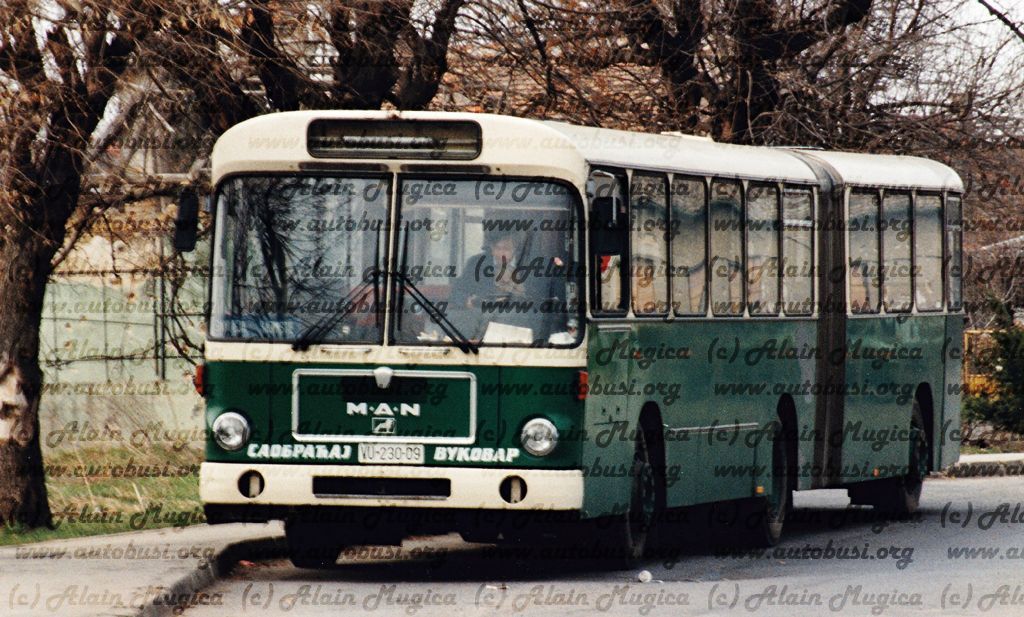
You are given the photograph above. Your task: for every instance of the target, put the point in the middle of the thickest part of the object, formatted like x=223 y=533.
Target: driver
x=501 y=284
x=492 y=273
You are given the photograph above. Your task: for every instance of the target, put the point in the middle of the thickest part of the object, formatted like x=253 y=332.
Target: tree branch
x=795 y=38
x=1003 y=18
x=277 y=72
x=429 y=61
x=366 y=68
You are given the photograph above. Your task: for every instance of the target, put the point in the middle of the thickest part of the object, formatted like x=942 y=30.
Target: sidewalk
x=141 y=573
x=984 y=465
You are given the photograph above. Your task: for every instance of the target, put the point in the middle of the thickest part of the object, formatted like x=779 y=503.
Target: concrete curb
x=187 y=591
x=986 y=469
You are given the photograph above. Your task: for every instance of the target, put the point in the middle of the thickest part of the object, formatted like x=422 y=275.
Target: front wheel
x=312 y=546
x=763 y=518
x=626 y=540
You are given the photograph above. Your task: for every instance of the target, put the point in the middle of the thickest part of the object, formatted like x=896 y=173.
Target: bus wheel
x=626 y=540
x=907 y=489
x=902 y=495
x=311 y=545
x=766 y=516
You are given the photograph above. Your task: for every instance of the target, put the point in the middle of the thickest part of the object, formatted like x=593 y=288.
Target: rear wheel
x=900 y=496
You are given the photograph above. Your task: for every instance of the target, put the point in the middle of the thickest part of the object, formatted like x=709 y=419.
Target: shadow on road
x=693 y=535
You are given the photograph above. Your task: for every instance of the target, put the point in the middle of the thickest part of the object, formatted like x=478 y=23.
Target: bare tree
x=883 y=76
x=878 y=75
x=238 y=61
x=74 y=74
x=61 y=65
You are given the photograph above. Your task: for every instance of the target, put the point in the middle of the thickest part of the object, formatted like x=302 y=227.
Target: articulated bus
x=517 y=329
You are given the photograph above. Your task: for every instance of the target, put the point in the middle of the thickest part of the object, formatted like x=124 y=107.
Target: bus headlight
x=539 y=436
x=231 y=430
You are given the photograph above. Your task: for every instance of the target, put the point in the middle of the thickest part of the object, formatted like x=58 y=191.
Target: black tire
x=900 y=496
x=763 y=518
x=903 y=494
x=625 y=541
x=311 y=545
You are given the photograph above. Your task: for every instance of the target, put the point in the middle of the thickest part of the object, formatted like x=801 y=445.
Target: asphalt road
x=833 y=560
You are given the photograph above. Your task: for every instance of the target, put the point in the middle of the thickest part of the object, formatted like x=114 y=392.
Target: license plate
x=391 y=453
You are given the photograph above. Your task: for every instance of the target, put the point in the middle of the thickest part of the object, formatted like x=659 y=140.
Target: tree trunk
x=26 y=257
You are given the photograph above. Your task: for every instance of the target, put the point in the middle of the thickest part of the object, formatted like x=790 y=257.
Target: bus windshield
x=291 y=251
x=486 y=262
x=496 y=258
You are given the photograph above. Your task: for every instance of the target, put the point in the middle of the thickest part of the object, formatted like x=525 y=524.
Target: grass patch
x=112 y=490
x=1010 y=447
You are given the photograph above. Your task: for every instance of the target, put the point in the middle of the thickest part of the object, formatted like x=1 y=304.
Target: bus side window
x=689 y=245
x=763 y=249
x=954 y=252
x=896 y=243
x=608 y=241
x=864 y=281
x=928 y=252
x=726 y=248
x=649 y=262
x=797 y=251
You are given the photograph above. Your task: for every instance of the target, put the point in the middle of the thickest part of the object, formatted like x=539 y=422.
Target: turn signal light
x=199 y=379
x=582 y=385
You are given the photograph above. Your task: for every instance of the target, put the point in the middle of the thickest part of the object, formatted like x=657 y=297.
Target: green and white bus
x=431 y=322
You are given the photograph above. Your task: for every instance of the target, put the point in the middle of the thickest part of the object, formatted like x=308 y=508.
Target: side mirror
x=606 y=212
x=608 y=235
x=186 y=223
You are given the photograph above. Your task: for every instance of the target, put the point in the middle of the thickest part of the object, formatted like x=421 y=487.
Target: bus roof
x=890 y=171
x=683 y=153
x=703 y=156
x=278 y=141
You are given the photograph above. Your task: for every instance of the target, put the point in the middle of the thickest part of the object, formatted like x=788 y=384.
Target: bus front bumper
x=466 y=488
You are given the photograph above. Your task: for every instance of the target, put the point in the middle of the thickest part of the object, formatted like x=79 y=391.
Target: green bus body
x=718 y=463
x=715 y=388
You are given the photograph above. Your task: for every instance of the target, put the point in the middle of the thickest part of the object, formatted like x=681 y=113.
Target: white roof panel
x=890 y=171
x=684 y=153
x=520 y=145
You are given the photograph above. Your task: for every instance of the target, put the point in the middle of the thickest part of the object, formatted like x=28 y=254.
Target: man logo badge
x=383 y=426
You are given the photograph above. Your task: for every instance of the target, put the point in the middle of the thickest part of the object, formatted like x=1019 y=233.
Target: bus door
x=608 y=444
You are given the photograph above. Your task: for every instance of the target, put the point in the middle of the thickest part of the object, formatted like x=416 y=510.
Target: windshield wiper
x=437 y=315
x=315 y=332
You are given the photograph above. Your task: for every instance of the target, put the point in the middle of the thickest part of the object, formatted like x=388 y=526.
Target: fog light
x=251 y=484
x=230 y=430
x=539 y=436
x=513 y=489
